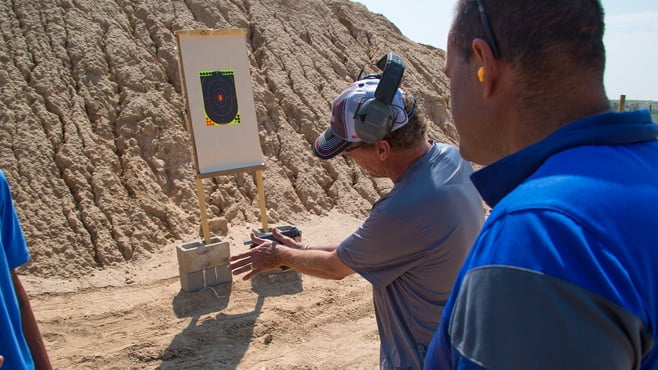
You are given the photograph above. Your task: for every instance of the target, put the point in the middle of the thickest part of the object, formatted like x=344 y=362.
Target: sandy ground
x=137 y=316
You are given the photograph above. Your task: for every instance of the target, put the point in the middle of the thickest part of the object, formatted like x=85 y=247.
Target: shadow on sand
x=221 y=341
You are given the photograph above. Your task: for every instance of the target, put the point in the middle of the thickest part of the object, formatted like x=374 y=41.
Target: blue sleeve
x=11 y=234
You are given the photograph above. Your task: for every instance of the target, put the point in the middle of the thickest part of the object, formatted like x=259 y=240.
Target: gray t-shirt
x=411 y=247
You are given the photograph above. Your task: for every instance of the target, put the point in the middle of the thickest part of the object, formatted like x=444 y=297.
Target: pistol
x=292 y=232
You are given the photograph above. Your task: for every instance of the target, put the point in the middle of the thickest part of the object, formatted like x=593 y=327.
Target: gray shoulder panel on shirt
x=507 y=317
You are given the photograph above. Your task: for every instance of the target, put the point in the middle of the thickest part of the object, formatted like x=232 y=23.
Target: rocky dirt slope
x=92 y=123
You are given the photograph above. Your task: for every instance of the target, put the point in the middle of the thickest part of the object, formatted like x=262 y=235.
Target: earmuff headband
x=375 y=117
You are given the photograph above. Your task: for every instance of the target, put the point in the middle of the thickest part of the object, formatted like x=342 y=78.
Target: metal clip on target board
x=221 y=116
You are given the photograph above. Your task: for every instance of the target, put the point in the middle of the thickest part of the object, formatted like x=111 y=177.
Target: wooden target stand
x=221 y=118
x=205 y=229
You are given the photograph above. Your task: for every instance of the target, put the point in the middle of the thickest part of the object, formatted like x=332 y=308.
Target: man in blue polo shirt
x=21 y=345
x=563 y=272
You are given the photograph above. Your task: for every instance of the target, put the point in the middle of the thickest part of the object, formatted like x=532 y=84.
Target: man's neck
x=531 y=124
x=400 y=161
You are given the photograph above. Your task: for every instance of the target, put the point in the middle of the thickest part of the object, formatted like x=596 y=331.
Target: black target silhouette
x=219 y=97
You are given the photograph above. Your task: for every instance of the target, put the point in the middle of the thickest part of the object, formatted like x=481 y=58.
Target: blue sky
x=631 y=38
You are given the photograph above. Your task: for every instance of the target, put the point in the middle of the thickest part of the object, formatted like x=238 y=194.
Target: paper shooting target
x=221 y=115
x=220 y=100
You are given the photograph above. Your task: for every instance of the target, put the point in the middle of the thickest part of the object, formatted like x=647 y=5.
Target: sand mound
x=93 y=128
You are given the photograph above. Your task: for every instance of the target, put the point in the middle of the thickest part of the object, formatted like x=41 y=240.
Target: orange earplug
x=481 y=74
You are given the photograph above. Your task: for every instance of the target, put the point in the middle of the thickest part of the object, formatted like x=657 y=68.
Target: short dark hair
x=536 y=36
x=408 y=135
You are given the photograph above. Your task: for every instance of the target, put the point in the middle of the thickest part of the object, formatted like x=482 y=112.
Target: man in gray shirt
x=416 y=237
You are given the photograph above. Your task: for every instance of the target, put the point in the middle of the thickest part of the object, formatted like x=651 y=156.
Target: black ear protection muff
x=375 y=117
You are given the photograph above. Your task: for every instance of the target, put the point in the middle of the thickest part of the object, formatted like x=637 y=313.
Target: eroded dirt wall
x=92 y=120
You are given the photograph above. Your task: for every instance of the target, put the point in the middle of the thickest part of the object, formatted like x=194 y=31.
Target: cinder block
x=195 y=256
x=210 y=277
x=218 y=275
x=192 y=281
x=202 y=265
x=224 y=275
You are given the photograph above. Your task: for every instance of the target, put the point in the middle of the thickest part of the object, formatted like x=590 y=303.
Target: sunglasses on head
x=487 y=30
x=349 y=150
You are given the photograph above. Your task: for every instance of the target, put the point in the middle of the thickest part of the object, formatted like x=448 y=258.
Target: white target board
x=220 y=102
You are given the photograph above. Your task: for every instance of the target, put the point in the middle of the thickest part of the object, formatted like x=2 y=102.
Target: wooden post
x=202 y=207
x=622 y=102
x=261 y=200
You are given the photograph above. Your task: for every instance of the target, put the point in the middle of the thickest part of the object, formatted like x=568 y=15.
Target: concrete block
x=202 y=265
x=221 y=275
x=210 y=276
x=192 y=281
x=195 y=256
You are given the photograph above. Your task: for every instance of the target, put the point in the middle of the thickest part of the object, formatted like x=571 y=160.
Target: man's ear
x=484 y=65
x=383 y=149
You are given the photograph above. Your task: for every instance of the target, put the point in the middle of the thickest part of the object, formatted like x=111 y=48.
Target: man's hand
x=320 y=261
x=286 y=240
x=261 y=258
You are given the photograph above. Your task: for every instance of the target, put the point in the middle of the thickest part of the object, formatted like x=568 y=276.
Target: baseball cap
x=341 y=131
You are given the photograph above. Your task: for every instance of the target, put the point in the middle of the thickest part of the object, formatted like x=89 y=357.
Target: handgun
x=292 y=232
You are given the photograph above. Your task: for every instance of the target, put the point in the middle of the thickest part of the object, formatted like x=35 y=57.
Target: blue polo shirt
x=563 y=272
x=13 y=253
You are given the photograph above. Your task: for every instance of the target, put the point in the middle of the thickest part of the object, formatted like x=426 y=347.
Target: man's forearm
x=30 y=328
x=326 y=248
x=315 y=261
